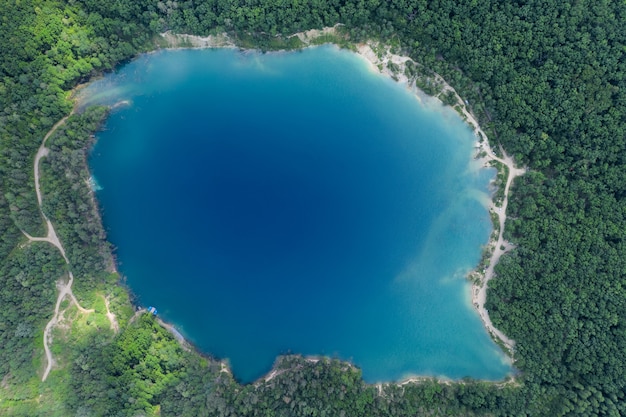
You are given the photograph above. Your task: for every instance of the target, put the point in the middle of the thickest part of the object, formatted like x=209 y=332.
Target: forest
x=547 y=81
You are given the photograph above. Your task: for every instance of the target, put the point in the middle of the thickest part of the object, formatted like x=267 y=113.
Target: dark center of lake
x=296 y=202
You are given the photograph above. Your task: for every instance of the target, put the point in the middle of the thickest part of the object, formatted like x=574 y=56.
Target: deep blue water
x=296 y=202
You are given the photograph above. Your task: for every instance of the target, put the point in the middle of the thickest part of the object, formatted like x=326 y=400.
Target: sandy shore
x=222 y=40
x=177 y=41
x=394 y=66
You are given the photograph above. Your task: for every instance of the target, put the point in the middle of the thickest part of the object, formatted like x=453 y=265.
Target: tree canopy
x=547 y=81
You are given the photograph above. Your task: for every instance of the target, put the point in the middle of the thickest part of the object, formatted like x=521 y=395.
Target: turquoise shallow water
x=295 y=202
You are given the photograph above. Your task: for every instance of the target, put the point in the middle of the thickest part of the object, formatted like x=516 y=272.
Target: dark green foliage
x=546 y=79
x=129 y=375
x=47 y=47
x=10 y=233
x=69 y=202
x=327 y=387
x=27 y=293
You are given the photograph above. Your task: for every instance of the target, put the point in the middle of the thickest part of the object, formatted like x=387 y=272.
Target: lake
x=296 y=203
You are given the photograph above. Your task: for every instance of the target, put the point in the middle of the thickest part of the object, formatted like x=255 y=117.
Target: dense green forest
x=547 y=80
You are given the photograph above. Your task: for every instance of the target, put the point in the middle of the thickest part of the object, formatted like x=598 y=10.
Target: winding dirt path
x=64 y=289
x=112 y=319
x=43 y=151
x=479 y=292
x=51 y=238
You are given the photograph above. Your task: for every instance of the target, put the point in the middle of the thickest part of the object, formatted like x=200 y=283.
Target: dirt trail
x=112 y=319
x=50 y=238
x=42 y=152
x=479 y=292
x=65 y=289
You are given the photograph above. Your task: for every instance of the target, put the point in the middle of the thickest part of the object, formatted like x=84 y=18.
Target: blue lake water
x=296 y=203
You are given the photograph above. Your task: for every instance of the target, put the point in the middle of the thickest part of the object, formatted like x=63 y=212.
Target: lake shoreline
x=393 y=66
